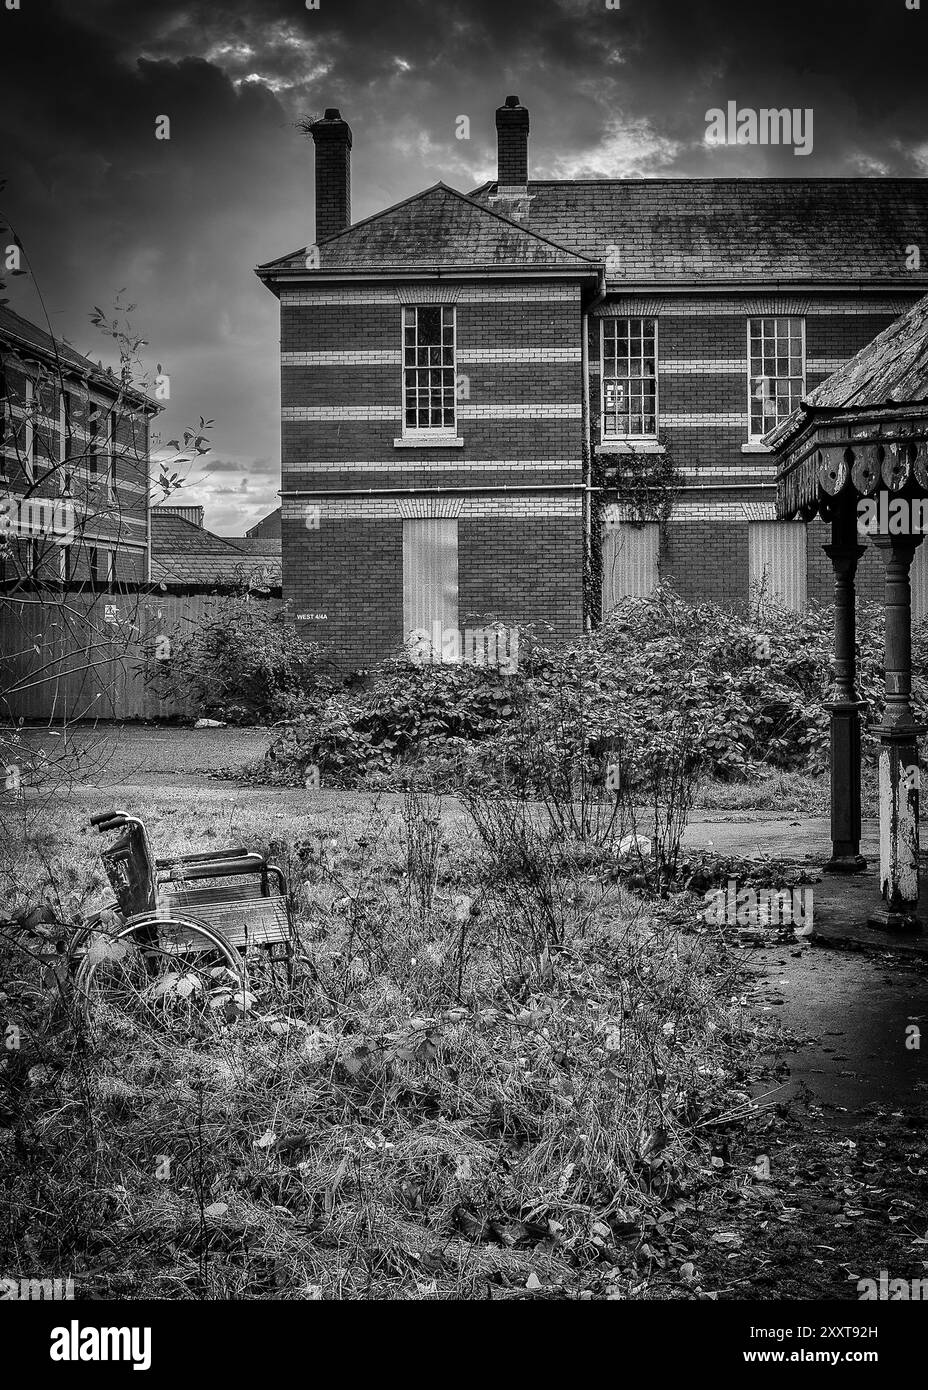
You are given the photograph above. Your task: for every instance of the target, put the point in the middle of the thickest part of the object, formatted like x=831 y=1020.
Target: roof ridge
x=511 y=222
x=440 y=185
x=633 y=180
x=64 y=353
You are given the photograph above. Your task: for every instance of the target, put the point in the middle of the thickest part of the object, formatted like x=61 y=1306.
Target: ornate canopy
x=862 y=430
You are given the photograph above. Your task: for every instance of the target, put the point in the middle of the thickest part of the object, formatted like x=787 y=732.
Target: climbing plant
x=645 y=484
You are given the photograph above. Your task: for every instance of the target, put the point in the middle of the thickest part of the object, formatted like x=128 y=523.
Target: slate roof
x=661 y=231
x=18 y=333
x=183 y=553
x=437 y=229
x=891 y=371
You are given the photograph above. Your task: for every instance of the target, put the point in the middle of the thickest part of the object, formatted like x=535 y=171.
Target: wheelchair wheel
x=107 y=920
x=170 y=974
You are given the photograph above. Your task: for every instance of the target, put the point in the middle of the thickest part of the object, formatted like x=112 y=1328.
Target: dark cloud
x=100 y=203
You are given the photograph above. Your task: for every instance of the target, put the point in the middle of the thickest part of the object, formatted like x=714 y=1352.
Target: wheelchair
x=175 y=942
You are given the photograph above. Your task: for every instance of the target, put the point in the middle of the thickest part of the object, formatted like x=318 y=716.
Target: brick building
x=458 y=370
x=74 y=466
x=268 y=528
x=187 y=558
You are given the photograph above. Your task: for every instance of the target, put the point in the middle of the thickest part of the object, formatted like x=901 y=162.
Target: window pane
x=429 y=325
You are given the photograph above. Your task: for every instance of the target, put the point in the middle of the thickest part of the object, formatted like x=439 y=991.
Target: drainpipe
x=587 y=446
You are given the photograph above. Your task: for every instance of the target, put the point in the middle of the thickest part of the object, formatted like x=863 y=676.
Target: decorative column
x=844 y=553
x=899 y=771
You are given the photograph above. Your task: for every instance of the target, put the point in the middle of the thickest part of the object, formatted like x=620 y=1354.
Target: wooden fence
x=84 y=655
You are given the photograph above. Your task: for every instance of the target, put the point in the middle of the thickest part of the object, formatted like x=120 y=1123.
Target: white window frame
x=608 y=437
x=29 y=420
x=111 y=457
x=66 y=472
x=427 y=433
x=751 y=381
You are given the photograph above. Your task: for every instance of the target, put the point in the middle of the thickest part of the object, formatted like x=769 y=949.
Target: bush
x=672 y=691
x=243 y=662
x=412 y=712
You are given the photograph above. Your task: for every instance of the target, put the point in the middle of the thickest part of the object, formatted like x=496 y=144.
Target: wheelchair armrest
x=219 y=868
x=210 y=856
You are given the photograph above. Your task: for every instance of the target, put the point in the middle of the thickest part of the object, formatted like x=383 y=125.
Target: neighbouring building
x=267 y=528
x=187 y=558
x=74 y=465
x=462 y=373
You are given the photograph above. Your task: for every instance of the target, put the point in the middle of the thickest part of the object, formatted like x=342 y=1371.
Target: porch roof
x=867 y=423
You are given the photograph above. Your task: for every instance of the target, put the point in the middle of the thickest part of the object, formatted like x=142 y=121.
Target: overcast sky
x=101 y=205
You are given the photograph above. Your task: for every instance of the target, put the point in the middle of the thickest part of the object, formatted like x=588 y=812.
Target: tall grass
x=491 y=1064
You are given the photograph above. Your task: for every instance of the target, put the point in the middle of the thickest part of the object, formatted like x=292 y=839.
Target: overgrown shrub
x=665 y=688
x=424 y=712
x=243 y=662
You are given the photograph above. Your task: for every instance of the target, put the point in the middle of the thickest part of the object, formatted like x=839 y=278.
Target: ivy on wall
x=645 y=484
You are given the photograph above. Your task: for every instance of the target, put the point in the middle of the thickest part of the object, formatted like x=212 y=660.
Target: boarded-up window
x=430 y=576
x=629 y=561
x=777 y=561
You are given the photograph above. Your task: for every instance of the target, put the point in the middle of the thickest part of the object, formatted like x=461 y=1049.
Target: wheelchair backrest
x=130 y=871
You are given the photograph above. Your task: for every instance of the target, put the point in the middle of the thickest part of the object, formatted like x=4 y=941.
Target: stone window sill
x=435 y=441
x=630 y=446
x=754 y=446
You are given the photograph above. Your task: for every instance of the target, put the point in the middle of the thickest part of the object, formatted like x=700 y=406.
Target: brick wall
x=520 y=555
x=707 y=560
x=519 y=572
x=518 y=346
x=703 y=413
x=345 y=585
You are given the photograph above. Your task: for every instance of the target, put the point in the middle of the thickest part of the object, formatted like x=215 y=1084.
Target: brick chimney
x=332 y=138
x=512 y=137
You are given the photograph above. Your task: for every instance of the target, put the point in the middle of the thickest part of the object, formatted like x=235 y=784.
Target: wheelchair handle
x=109 y=820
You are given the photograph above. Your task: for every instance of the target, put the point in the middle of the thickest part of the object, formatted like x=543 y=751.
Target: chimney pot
x=512 y=144
x=332 y=139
